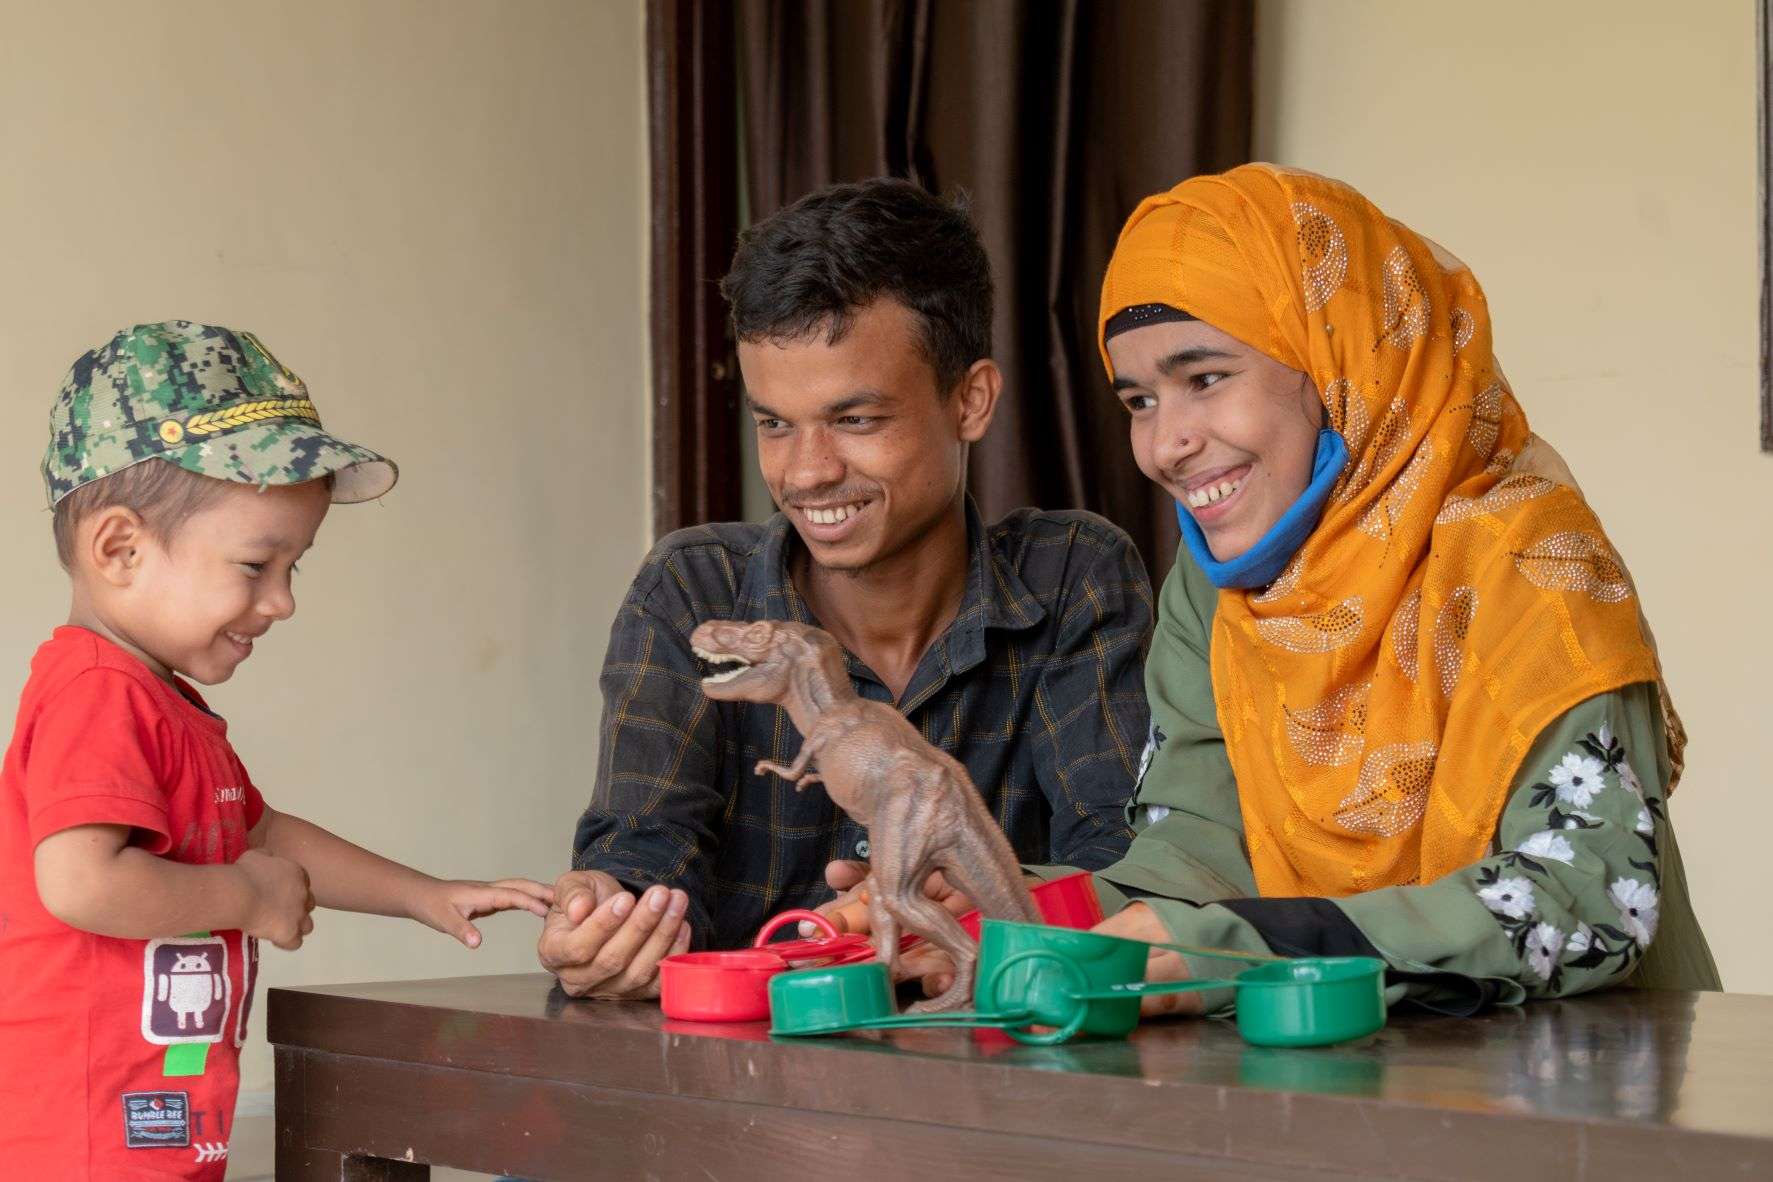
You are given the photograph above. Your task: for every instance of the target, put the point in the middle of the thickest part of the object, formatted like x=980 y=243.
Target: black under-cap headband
x=1140 y=315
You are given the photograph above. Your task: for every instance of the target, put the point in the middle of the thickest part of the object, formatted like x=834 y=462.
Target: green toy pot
x=1043 y=970
x=855 y=997
x=1048 y=985
x=1311 y=1001
x=823 y=1001
x=1304 y=1002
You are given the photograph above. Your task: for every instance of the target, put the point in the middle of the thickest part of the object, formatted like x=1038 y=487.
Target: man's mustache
x=824 y=496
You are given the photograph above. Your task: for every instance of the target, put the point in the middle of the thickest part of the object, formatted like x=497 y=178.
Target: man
x=863 y=317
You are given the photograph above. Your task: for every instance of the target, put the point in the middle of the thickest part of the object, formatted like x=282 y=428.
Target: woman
x=1403 y=701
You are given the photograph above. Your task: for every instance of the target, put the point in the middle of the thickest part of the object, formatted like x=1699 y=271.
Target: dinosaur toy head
x=756 y=661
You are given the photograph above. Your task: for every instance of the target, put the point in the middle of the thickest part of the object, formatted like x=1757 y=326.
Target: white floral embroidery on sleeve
x=1576 y=797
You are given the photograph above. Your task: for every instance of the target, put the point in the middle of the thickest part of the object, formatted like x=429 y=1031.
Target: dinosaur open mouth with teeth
x=717 y=659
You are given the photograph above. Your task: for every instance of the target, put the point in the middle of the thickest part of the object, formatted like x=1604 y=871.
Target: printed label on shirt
x=156 y=1120
x=185 y=991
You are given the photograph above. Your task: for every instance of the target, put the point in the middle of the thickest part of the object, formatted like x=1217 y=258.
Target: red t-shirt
x=118 y=1058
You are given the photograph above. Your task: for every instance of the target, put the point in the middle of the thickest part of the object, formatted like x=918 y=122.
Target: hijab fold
x=1378 y=696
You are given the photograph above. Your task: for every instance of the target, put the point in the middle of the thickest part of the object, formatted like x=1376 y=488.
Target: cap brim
x=288 y=451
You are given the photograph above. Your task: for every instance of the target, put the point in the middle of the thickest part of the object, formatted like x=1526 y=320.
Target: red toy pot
x=733 y=986
x=1068 y=902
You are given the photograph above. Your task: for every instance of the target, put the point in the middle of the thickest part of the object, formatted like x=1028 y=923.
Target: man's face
x=858 y=446
x=1229 y=432
x=200 y=600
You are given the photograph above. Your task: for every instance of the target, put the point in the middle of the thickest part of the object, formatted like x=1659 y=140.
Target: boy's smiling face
x=196 y=602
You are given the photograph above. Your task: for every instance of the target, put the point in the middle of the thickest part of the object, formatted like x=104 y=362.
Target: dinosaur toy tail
x=995 y=897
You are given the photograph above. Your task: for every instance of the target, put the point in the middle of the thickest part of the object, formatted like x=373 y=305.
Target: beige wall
x=440 y=225
x=436 y=216
x=1595 y=164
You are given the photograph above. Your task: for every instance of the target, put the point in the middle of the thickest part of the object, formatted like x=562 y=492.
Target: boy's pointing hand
x=450 y=906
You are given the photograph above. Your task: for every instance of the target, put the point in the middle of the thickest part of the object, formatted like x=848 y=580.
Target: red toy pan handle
x=781 y=921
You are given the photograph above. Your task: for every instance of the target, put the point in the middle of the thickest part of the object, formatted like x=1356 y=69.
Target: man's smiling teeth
x=239 y=638
x=832 y=516
x=1206 y=495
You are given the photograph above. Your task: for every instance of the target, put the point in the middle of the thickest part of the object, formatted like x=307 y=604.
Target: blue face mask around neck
x=1262 y=563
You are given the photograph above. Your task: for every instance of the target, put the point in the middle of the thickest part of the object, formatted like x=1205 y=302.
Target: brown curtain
x=694 y=172
x=1056 y=118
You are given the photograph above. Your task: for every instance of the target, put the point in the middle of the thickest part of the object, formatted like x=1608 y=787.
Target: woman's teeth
x=1209 y=494
x=237 y=638
x=832 y=516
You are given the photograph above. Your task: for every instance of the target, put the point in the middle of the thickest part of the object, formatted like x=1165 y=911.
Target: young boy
x=188 y=472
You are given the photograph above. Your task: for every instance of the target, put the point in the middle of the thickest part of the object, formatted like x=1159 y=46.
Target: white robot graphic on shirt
x=190 y=987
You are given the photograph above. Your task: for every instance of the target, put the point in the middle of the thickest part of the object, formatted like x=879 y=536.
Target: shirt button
x=862 y=848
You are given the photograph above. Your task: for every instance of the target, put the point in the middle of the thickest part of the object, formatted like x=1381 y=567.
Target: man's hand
x=281 y=899
x=450 y=906
x=848 y=912
x=599 y=941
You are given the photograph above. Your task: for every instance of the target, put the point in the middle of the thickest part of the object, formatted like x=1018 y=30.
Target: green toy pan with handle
x=1047 y=985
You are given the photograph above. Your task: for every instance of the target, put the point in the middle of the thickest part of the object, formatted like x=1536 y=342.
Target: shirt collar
x=995 y=597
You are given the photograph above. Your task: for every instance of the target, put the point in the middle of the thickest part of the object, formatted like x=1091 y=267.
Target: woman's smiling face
x=1229 y=432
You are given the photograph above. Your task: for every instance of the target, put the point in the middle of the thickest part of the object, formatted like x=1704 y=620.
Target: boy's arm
x=347 y=877
x=91 y=878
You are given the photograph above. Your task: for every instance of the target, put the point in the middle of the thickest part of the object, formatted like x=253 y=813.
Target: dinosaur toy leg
x=883 y=924
x=929 y=918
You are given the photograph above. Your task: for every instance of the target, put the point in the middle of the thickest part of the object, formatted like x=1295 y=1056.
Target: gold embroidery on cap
x=171 y=432
x=251 y=412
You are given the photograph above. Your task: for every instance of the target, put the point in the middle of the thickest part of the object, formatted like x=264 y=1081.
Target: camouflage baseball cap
x=211 y=400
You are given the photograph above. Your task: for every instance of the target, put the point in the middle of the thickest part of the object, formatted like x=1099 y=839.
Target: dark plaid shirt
x=1036 y=687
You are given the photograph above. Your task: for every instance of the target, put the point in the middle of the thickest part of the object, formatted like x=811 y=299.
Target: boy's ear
x=978 y=398
x=113 y=542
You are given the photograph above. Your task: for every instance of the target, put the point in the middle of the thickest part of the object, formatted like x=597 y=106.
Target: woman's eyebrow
x=1177 y=360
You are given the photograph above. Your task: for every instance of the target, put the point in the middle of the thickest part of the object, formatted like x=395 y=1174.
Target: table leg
x=297 y=1161
x=314 y=1165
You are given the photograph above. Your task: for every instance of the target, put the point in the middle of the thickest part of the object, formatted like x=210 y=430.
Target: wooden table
x=505 y=1074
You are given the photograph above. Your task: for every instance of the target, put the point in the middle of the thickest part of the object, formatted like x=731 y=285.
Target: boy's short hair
x=815 y=263
x=163 y=495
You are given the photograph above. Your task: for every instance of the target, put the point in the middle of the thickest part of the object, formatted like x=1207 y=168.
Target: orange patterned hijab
x=1377 y=699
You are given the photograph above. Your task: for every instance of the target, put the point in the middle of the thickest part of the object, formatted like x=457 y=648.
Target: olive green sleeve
x=1189 y=830
x=1583 y=880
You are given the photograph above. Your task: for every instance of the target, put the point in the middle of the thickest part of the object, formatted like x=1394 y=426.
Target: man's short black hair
x=814 y=264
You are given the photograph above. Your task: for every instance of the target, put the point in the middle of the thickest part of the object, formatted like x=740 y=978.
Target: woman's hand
x=1139 y=922
x=449 y=906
